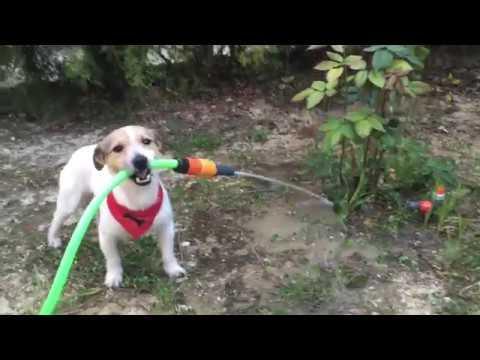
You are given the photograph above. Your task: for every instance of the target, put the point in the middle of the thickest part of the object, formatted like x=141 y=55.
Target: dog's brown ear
x=99 y=157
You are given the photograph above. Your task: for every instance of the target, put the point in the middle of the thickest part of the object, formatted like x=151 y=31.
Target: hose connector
x=203 y=167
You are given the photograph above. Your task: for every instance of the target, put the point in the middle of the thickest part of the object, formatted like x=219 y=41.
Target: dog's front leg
x=166 y=235
x=114 y=275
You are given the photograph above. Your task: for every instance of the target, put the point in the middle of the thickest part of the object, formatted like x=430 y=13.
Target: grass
x=458 y=306
x=352 y=277
x=310 y=289
x=143 y=272
x=398 y=218
x=259 y=136
x=142 y=263
x=189 y=145
x=230 y=195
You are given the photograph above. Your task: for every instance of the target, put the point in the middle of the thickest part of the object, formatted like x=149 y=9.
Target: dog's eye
x=147 y=141
x=118 y=148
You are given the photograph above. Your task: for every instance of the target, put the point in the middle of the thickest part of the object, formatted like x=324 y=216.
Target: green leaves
x=361 y=78
x=419 y=87
x=358 y=115
x=314 y=99
x=376 y=122
x=331 y=85
x=315 y=94
x=363 y=128
x=339 y=48
x=326 y=65
x=330 y=92
x=334 y=74
x=414 y=54
x=365 y=121
x=331 y=124
x=389 y=70
x=422 y=53
x=319 y=85
x=335 y=67
x=336 y=130
x=382 y=59
x=359 y=124
x=375 y=48
x=347 y=131
x=377 y=78
x=400 y=67
x=302 y=95
x=335 y=57
x=355 y=62
x=399 y=50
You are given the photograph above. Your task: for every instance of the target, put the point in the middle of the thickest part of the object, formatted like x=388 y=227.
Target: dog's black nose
x=140 y=162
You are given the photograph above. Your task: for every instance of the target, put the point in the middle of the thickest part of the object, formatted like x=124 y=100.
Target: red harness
x=136 y=223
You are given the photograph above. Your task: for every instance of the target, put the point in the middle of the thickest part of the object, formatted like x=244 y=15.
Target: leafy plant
x=316 y=93
x=384 y=54
x=80 y=68
x=365 y=147
x=337 y=65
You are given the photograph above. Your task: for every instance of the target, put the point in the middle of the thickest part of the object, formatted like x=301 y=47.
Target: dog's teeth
x=144 y=180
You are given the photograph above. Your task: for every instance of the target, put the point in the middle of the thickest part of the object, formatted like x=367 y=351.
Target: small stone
x=111 y=309
x=183 y=308
x=180 y=279
x=211 y=239
x=185 y=244
x=42 y=227
x=241 y=252
x=442 y=129
x=5 y=308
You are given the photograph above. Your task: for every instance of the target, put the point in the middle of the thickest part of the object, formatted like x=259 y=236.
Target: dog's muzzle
x=142 y=175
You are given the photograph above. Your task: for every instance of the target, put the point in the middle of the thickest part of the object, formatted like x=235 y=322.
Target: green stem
x=345 y=86
x=354 y=160
x=365 y=154
x=378 y=172
x=357 y=190
x=342 y=159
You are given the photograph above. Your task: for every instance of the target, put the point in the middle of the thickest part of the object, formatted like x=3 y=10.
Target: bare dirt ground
x=249 y=247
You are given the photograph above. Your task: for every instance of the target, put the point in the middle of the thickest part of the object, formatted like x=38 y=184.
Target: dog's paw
x=113 y=279
x=54 y=242
x=174 y=270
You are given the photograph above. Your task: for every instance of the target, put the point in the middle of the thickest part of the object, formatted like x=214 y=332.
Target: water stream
x=285 y=184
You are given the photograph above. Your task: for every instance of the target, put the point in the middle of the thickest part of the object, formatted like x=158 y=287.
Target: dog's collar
x=136 y=223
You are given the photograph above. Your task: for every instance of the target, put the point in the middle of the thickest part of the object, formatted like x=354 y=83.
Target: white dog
x=137 y=207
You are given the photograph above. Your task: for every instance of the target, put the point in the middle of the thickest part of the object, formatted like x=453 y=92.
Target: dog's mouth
x=142 y=177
